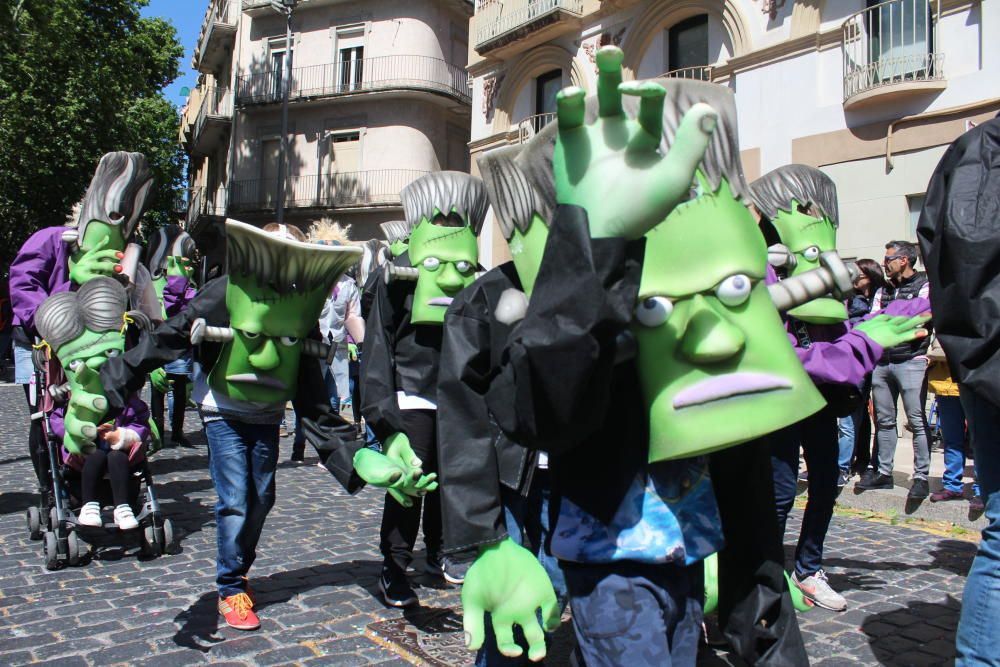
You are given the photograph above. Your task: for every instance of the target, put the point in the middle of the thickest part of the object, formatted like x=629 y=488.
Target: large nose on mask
x=708 y=338
x=449 y=280
x=266 y=357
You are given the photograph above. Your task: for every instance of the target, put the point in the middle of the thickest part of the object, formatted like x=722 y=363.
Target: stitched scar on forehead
x=444 y=237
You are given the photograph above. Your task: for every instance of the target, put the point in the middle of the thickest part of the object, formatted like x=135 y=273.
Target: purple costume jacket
x=40 y=269
x=177 y=293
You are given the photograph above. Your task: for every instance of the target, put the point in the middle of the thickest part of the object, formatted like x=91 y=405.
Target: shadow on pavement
x=921 y=634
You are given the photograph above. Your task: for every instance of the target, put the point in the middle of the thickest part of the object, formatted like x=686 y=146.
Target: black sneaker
x=843 y=479
x=919 y=490
x=872 y=481
x=434 y=565
x=396 y=589
x=454 y=571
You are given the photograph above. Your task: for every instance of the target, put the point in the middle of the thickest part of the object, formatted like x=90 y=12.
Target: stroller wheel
x=53 y=518
x=168 y=536
x=73 y=548
x=148 y=548
x=50 y=548
x=34 y=523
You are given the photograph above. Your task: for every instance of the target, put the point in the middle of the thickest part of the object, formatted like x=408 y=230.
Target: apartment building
x=378 y=96
x=869 y=92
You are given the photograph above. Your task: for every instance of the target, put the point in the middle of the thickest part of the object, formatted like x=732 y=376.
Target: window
x=900 y=37
x=687 y=43
x=276 y=50
x=350 y=56
x=547 y=86
x=915 y=203
x=267 y=189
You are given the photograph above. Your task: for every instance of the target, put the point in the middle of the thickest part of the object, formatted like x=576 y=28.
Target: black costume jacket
x=328 y=432
x=474 y=457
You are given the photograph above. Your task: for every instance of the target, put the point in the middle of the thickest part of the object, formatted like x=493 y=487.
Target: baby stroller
x=54 y=520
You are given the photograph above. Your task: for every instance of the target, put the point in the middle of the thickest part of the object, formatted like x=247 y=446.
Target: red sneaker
x=238 y=612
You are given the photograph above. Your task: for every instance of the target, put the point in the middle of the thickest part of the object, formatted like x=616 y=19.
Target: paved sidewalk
x=316 y=573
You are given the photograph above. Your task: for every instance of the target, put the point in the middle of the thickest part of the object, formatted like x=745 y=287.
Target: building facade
x=378 y=96
x=869 y=92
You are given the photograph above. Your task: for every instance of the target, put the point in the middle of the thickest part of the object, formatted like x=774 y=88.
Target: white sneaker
x=124 y=518
x=90 y=515
x=816 y=588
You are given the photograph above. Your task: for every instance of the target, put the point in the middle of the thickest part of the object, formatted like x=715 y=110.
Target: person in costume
x=624 y=284
x=83 y=330
x=170 y=259
x=256 y=346
x=798 y=208
x=402 y=349
x=60 y=259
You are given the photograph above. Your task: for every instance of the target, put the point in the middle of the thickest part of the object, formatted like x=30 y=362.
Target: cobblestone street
x=315 y=579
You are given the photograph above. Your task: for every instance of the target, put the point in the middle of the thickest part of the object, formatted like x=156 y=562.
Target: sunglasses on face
x=889 y=259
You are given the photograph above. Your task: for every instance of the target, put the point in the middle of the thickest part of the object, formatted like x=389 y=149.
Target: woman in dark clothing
x=856 y=430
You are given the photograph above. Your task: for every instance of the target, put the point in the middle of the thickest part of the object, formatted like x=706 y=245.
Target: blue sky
x=186 y=15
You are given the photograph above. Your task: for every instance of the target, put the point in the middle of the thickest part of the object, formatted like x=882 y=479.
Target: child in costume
x=402 y=349
x=170 y=259
x=798 y=206
x=84 y=329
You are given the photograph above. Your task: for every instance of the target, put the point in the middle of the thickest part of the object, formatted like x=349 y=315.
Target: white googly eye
x=432 y=263
x=734 y=290
x=75 y=365
x=250 y=335
x=654 y=311
x=811 y=253
x=111 y=354
x=463 y=266
x=289 y=341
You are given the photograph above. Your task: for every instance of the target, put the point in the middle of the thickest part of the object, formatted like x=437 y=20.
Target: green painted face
x=715 y=363
x=98 y=233
x=527 y=249
x=180 y=266
x=261 y=364
x=446 y=259
x=82 y=357
x=398 y=247
x=807 y=236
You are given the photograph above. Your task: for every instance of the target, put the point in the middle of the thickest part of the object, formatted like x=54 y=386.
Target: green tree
x=79 y=78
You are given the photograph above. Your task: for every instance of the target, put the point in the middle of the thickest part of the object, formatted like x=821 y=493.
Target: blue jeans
x=242 y=459
x=526 y=516
x=180 y=366
x=846 y=432
x=953 y=436
x=979 y=626
x=817 y=437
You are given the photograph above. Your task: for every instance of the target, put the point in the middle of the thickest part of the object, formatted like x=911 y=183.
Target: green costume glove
x=799 y=601
x=159 y=380
x=509 y=583
x=397 y=470
x=711 y=584
x=889 y=331
x=613 y=167
x=155 y=443
x=93 y=263
x=85 y=410
x=352 y=351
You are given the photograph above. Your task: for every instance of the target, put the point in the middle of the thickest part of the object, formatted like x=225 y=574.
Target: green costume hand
x=613 y=167
x=96 y=262
x=352 y=351
x=159 y=380
x=799 y=601
x=401 y=483
x=84 y=412
x=509 y=583
x=889 y=331
x=155 y=443
x=711 y=584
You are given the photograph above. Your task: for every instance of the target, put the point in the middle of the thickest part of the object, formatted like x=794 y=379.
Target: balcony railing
x=890 y=43
x=216 y=103
x=532 y=125
x=698 y=73
x=349 y=77
x=356 y=189
x=202 y=203
x=497 y=18
x=219 y=25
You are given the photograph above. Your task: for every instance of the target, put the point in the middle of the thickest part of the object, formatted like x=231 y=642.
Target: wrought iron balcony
x=214 y=117
x=353 y=77
x=203 y=205
x=891 y=49
x=499 y=22
x=699 y=73
x=358 y=189
x=532 y=125
x=218 y=33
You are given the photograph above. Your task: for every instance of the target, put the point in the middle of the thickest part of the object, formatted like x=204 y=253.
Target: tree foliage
x=80 y=78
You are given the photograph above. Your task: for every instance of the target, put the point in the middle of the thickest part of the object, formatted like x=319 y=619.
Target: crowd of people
x=613 y=420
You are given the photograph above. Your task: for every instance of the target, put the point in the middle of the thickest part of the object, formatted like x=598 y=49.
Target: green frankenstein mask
x=715 y=362
x=275 y=294
x=397 y=233
x=799 y=204
x=446 y=210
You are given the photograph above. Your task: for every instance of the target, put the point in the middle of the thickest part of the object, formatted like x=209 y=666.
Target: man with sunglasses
x=900 y=371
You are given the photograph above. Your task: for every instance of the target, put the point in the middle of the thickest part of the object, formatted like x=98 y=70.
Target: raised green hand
x=159 y=380
x=612 y=167
x=397 y=470
x=509 y=583
x=890 y=331
x=95 y=262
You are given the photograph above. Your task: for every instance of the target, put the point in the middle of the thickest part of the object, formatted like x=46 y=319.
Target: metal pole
x=285 y=89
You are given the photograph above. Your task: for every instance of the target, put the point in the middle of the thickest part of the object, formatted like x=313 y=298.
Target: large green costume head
x=170 y=252
x=277 y=287
x=397 y=233
x=798 y=207
x=446 y=210
x=114 y=203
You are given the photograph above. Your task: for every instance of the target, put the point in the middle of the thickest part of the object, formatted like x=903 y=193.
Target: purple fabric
x=40 y=269
x=837 y=355
x=177 y=293
x=135 y=416
x=904 y=308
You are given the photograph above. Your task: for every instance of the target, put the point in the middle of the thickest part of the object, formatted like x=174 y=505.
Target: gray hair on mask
x=168 y=241
x=118 y=193
x=396 y=230
x=444 y=192
x=99 y=305
x=776 y=190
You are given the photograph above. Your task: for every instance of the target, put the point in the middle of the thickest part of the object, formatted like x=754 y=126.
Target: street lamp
x=285 y=7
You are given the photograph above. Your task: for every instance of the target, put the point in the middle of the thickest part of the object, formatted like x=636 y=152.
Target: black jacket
x=559 y=387
x=474 y=457
x=959 y=233
x=332 y=436
x=908 y=289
